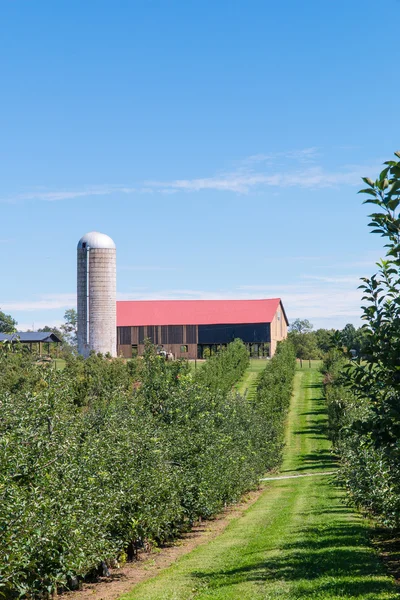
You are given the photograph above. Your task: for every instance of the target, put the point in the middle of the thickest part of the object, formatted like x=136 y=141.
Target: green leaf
x=368 y=191
x=368 y=181
x=383 y=174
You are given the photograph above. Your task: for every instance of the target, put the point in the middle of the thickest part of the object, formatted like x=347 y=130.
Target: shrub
x=369 y=472
x=225 y=368
x=94 y=461
x=365 y=415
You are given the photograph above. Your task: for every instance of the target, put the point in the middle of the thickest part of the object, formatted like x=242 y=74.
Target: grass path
x=247 y=385
x=298 y=541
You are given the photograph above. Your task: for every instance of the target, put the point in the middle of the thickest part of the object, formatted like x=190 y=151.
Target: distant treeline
x=314 y=344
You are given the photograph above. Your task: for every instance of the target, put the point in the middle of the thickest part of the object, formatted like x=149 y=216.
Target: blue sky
x=220 y=144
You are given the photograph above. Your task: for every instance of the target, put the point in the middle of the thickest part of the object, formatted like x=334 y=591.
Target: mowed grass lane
x=299 y=540
x=248 y=384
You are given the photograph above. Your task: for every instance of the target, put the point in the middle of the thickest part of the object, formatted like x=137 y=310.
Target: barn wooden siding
x=171 y=337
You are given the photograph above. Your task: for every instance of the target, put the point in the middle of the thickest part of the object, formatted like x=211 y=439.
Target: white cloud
x=306 y=155
x=294 y=168
x=353 y=280
x=45 y=302
x=55 y=195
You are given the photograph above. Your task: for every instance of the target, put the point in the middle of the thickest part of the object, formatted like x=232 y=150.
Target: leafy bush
x=272 y=401
x=100 y=457
x=369 y=471
x=364 y=398
x=225 y=368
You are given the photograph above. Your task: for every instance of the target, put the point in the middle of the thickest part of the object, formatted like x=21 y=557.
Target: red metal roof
x=195 y=312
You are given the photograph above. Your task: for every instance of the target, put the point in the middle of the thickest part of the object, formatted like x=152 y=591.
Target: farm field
x=299 y=540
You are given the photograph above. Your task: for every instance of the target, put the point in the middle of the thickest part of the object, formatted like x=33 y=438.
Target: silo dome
x=94 y=239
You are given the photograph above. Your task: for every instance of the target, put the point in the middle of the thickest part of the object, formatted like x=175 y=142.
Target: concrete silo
x=97 y=282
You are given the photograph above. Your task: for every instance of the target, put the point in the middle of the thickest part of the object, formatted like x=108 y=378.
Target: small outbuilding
x=35 y=339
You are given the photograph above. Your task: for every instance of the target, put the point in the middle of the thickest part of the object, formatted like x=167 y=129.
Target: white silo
x=97 y=282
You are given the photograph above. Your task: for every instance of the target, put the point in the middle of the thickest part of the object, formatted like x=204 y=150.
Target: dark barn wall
x=223 y=334
x=174 y=338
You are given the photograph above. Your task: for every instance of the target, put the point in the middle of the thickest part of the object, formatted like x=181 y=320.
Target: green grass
x=248 y=384
x=59 y=363
x=195 y=365
x=298 y=541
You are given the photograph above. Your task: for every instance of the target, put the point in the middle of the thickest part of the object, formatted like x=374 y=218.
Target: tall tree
x=301 y=326
x=324 y=339
x=69 y=327
x=304 y=339
x=7 y=323
x=349 y=336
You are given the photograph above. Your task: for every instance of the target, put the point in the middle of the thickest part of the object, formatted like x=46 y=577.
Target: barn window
x=184 y=349
x=279 y=315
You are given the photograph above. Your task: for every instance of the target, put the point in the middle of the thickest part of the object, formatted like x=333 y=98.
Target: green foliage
x=105 y=454
x=7 y=323
x=19 y=371
x=304 y=344
x=94 y=379
x=272 y=401
x=309 y=344
x=69 y=328
x=367 y=426
x=339 y=398
x=301 y=326
x=370 y=473
x=324 y=340
x=225 y=368
x=353 y=339
x=313 y=345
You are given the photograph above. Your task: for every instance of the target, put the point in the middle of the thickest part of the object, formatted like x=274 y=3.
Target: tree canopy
x=7 y=323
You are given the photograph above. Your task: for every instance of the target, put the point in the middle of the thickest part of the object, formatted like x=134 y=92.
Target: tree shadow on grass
x=319 y=411
x=317 y=431
x=320 y=460
x=313 y=386
x=338 y=556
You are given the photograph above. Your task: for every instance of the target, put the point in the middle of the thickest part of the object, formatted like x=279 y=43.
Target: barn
x=194 y=328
